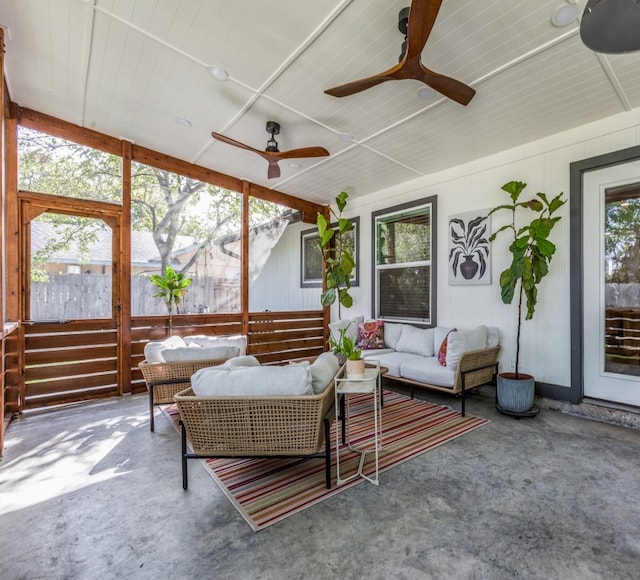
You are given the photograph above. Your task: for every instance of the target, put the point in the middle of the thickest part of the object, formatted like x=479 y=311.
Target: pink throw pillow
x=442 y=352
x=371 y=335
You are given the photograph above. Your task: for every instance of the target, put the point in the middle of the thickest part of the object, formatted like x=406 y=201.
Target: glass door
x=611 y=288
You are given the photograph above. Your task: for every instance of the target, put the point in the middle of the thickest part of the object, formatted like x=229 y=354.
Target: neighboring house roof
x=143 y=249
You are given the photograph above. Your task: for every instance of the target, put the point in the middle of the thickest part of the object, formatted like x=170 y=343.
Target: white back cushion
x=416 y=340
x=323 y=369
x=461 y=341
x=153 y=349
x=200 y=353
x=493 y=336
x=206 y=340
x=351 y=326
x=392 y=333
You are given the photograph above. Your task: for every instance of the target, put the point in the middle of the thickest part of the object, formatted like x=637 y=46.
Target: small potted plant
x=531 y=252
x=173 y=286
x=346 y=349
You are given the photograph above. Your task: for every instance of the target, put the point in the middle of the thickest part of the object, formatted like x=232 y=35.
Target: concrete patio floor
x=89 y=492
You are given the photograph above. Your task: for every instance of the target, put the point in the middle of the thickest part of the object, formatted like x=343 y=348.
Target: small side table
x=369 y=383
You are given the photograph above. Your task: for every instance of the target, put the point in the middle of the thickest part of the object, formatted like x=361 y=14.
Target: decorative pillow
x=350 y=325
x=463 y=341
x=200 y=353
x=392 y=333
x=153 y=349
x=293 y=380
x=323 y=369
x=416 y=340
x=371 y=335
x=442 y=351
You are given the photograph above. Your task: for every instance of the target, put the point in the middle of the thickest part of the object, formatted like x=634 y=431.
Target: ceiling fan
x=415 y=23
x=272 y=154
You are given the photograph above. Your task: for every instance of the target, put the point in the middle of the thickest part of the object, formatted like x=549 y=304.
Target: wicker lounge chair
x=265 y=426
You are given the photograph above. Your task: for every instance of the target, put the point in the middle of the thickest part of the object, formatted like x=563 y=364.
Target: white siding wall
x=278 y=285
x=544 y=165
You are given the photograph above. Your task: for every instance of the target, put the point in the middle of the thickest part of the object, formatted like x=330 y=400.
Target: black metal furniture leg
x=464 y=394
x=327 y=451
x=151 y=418
x=185 y=476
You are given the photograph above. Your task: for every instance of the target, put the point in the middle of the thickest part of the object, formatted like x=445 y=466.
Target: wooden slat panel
x=73 y=369
x=289 y=345
x=71 y=384
x=285 y=356
x=266 y=327
x=68 y=340
x=257 y=316
x=68 y=326
x=284 y=335
x=72 y=354
x=73 y=397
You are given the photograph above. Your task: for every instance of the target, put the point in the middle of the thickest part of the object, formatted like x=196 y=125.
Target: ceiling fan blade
x=233 y=142
x=363 y=84
x=422 y=17
x=301 y=153
x=447 y=86
x=274 y=168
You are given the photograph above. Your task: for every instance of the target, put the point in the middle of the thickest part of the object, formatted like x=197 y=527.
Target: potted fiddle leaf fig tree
x=531 y=252
x=338 y=257
x=173 y=286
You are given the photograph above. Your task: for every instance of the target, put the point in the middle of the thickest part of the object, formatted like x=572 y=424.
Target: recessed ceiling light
x=345 y=137
x=182 y=121
x=218 y=73
x=564 y=15
x=294 y=165
x=426 y=93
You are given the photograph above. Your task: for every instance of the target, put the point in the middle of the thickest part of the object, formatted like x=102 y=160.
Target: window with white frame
x=404 y=259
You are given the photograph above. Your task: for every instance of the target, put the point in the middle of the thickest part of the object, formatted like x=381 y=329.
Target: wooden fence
x=86 y=296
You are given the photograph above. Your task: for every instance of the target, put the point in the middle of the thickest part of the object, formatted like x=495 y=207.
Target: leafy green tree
x=164 y=203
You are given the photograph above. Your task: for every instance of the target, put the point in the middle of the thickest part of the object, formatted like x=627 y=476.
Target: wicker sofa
x=441 y=358
x=258 y=425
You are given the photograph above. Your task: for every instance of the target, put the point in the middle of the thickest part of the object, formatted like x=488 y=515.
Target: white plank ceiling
x=129 y=68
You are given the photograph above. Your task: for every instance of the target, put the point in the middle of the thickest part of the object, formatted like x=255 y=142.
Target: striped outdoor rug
x=266 y=491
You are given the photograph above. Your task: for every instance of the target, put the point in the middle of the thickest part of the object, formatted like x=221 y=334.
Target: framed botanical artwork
x=469 y=248
x=311 y=255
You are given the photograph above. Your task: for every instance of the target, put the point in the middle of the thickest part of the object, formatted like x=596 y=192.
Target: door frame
x=577 y=170
x=30 y=206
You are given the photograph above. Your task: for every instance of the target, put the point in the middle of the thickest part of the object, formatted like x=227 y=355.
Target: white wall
x=277 y=287
x=544 y=166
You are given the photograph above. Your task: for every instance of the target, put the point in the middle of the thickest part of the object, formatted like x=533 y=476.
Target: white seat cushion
x=394 y=360
x=427 y=370
x=351 y=326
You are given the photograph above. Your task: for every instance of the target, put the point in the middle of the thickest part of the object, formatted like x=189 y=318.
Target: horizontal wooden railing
x=71 y=361
x=78 y=360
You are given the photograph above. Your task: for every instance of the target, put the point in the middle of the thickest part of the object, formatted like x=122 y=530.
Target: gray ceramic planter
x=516 y=395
